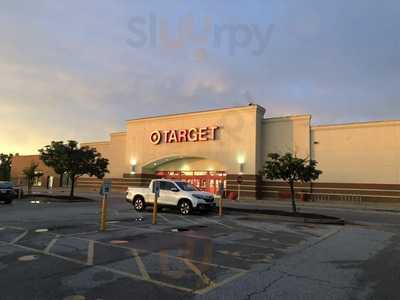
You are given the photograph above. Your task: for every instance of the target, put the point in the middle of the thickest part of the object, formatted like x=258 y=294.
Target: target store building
x=360 y=161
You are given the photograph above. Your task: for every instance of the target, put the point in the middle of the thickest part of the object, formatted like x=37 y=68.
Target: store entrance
x=208 y=181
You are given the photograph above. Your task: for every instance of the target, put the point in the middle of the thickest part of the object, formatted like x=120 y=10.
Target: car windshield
x=6 y=185
x=187 y=187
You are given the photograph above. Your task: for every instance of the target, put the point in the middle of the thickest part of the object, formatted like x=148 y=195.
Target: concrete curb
x=57 y=198
x=308 y=205
x=307 y=217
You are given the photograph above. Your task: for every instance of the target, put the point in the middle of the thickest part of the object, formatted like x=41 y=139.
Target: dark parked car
x=7 y=192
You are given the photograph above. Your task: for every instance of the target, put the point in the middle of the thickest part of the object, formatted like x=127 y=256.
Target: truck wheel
x=138 y=203
x=185 y=207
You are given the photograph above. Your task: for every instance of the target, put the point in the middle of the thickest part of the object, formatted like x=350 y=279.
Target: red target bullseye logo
x=155 y=137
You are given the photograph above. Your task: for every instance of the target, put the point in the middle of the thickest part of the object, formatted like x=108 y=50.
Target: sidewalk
x=286 y=204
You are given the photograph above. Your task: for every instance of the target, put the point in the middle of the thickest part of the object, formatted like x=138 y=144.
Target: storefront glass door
x=209 y=181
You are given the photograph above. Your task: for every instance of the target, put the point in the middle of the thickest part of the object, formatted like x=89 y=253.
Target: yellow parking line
x=196 y=270
x=221 y=283
x=140 y=264
x=51 y=244
x=166 y=255
x=90 y=255
x=19 y=237
x=133 y=276
x=145 y=276
x=42 y=252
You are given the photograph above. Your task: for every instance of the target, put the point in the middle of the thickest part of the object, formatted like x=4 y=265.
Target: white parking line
x=51 y=244
x=164 y=218
x=140 y=264
x=90 y=255
x=133 y=276
x=187 y=220
x=144 y=274
x=166 y=255
x=12 y=227
x=219 y=223
x=21 y=236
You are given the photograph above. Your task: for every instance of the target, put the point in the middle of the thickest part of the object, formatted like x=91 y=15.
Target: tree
x=74 y=161
x=31 y=173
x=5 y=166
x=291 y=169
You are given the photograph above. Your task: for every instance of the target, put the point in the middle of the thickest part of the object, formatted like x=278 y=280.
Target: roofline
x=118 y=133
x=285 y=118
x=258 y=107
x=27 y=155
x=357 y=124
x=95 y=143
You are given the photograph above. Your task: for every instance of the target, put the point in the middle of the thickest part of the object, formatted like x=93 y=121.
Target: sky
x=79 y=69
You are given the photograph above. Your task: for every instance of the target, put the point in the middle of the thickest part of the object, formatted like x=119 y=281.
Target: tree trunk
x=60 y=183
x=71 y=195
x=29 y=187
x=293 y=197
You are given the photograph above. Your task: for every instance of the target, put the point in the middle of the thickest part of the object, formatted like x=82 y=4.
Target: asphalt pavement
x=55 y=251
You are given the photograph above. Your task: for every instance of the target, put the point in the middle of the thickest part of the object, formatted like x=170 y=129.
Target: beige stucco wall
x=119 y=163
x=286 y=134
x=235 y=138
x=354 y=153
x=102 y=147
x=358 y=153
x=191 y=164
x=115 y=152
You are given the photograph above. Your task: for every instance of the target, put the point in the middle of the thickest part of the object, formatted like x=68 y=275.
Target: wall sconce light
x=241 y=161
x=241 y=168
x=133 y=166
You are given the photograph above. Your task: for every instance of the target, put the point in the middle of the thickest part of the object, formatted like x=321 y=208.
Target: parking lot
x=55 y=251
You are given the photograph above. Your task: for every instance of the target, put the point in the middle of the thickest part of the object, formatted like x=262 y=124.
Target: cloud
x=210 y=81
x=67 y=71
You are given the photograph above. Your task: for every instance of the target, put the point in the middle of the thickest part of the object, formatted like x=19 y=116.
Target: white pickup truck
x=185 y=196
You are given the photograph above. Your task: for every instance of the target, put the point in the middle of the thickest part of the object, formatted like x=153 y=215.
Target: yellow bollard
x=103 y=213
x=155 y=210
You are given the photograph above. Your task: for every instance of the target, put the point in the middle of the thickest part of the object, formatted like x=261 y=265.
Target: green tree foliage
x=74 y=161
x=5 y=166
x=291 y=169
x=31 y=173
